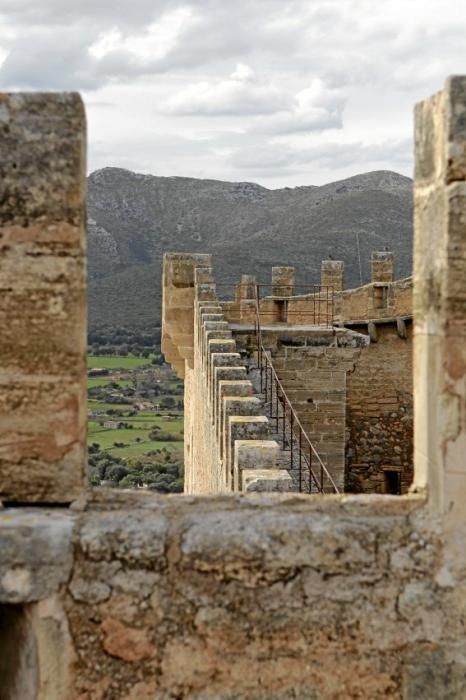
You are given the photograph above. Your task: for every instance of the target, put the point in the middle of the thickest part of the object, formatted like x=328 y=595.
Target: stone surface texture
x=257 y=596
x=261 y=596
x=332 y=274
x=43 y=403
x=380 y=412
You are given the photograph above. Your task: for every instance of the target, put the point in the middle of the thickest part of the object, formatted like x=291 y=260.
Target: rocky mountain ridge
x=135 y=218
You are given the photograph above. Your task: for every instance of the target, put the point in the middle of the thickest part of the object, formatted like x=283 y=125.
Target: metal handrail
x=294 y=420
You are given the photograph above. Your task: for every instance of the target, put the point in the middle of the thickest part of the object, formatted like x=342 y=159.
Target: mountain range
x=133 y=219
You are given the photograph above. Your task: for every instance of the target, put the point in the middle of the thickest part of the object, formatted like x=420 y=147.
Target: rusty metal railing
x=312 y=474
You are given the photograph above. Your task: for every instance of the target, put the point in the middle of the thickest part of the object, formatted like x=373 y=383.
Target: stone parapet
x=219 y=405
x=375 y=302
x=178 y=293
x=274 y=568
x=440 y=300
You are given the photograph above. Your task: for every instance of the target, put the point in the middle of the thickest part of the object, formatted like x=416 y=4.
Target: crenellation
x=241 y=428
x=217 y=360
x=332 y=274
x=246 y=289
x=229 y=388
x=233 y=405
x=242 y=593
x=382 y=267
x=43 y=299
x=283 y=281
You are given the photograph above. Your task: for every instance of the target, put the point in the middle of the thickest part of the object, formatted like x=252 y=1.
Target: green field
x=101 y=407
x=140 y=448
x=102 y=381
x=116 y=362
x=142 y=423
x=106 y=437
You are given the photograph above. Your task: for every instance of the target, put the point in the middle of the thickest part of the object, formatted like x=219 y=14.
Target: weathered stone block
x=203 y=275
x=206 y=292
x=266 y=480
x=253 y=454
x=332 y=274
x=283 y=281
x=43 y=300
x=242 y=428
x=179 y=268
x=382 y=267
x=231 y=388
x=130 y=536
x=36 y=553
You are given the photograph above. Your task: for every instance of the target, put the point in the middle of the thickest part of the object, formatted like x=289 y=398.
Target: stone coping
x=378 y=505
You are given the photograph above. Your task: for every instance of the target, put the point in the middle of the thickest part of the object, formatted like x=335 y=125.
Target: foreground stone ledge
x=201 y=596
x=124 y=535
x=374 y=505
x=36 y=553
x=142 y=529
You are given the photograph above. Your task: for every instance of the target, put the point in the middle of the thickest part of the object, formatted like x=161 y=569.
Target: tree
x=167 y=402
x=117 y=473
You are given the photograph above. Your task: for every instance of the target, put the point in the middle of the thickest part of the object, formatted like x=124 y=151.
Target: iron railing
x=306 y=467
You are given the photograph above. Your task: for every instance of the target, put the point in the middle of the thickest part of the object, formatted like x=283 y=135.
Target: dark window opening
x=392 y=482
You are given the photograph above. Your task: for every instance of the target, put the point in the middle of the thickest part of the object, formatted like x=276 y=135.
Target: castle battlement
x=118 y=595
x=342 y=360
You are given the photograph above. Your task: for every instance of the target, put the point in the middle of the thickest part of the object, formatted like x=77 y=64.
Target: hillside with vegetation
x=134 y=219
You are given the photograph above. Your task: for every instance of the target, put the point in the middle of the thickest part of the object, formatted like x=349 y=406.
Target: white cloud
x=320 y=88
x=240 y=94
x=315 y=108
x=155 y=42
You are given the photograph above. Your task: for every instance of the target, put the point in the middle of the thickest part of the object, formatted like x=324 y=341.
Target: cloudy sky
x=280 y=92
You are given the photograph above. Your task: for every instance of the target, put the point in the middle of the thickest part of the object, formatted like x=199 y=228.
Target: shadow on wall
x=18 y=655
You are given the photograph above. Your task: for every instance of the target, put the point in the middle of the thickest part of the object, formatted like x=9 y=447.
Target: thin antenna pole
x=359 y=258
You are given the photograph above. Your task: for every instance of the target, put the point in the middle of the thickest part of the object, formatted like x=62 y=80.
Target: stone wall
x=223 y=421
x=380 y=413
x=374 y=301
x=129 y=596
x=314 y=378
x=249 y=597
